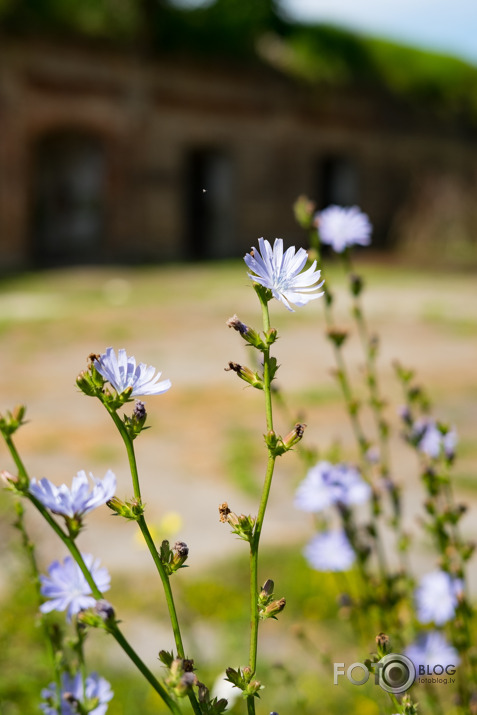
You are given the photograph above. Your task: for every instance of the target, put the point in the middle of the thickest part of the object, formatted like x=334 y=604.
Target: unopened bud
x=267 y=588
x=253 y=687
x=337 y=336
x=247 y=673
x=85 y=383
x=129 y=510
x=273 y=609
x=104 y=609
x=180 y=556
x=101 y=615
x=139 y=412
x=8 y=478
x=241 y=525
x=304 y=209
x=11 y=421
x=383 y=643
x=356 y=284
x=294 y=436
x=245 y=373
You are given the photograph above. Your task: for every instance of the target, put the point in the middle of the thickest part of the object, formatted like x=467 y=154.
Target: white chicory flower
x=122 y=372
x=437 y=597
x=96 y=690
x=329 y=484
x=79 y=500
x=330 y=551
x=282 y=273
x=341 y=227
x=67 y=588
x=433 y=440
x=431 y=649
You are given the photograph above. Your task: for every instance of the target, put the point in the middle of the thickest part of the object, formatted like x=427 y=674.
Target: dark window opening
x=209 y=204
x=339 y=182
x=68 y=198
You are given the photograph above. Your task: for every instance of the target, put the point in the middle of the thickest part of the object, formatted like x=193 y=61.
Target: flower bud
x=86 y=384
x=8 y=478
x=11 y=421
x=267 y=589
x=245 y=373
x=273 y=609
x=241 y=525
x=337 y=336
x=129 y=509
x=101 y=615
x=247 y=673
x=18 y=483
x=271 y=336
x=304 y=210
x=135 y=424
x=356 y=284
x=253 y=687
x=181 y=552
x=248 y=334
x=294 y=436
x=384 y=645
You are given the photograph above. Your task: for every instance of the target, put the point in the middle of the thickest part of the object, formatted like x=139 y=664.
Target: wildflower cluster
x=419 y=615
x=76 y=584
x=356 y=507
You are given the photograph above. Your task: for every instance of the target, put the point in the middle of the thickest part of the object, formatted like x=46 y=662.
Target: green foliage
x=234 y=29
x=90 y=18
x=23 y=657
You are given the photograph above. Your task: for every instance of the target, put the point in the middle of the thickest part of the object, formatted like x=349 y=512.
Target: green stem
x=73 y=549
x=22 y=472
x=165 y=583
x=128 y=443
x=30 y=552
x=266 y=365
x=255 y=541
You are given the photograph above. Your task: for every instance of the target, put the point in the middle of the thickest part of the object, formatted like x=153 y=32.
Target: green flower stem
x=113 y=629
x=121 y=640
x=266 y=364
x=128 y=443
x=345 y=385
x=22 y=472
x=74 y=551
x=255 y=541
x=35 y=573
x=251 y=705
x=352 y=409
x=147 y=535
x=129 y=449
x=166 y=585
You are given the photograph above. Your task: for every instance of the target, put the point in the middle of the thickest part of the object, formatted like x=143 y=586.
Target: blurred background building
x=134 y=131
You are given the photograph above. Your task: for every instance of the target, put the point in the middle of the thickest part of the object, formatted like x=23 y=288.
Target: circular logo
x=396 y=673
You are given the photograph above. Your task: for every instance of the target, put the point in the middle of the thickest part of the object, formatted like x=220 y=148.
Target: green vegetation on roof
x=253 y=31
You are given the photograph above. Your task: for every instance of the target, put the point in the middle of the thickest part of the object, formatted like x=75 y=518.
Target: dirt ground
x=174 y=318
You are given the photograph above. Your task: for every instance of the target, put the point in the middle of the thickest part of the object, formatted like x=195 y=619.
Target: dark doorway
x=339 y=181
x=68 y=198
x=209 y=204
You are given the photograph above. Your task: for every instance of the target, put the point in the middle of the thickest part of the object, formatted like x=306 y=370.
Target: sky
x=447 y=26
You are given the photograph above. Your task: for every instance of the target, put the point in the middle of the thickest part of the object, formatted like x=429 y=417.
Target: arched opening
x=68 y=198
